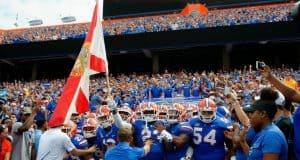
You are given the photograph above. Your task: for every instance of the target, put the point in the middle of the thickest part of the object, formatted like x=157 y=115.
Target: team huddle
x=177 y=130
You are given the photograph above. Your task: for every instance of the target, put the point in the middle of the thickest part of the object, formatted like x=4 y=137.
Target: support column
x=226 y=56
x=277 y=62
x=34 y=71
x=298 y=57
x=155 y=63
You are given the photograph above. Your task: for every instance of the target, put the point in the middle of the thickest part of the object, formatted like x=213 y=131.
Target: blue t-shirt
x=186 y=91
x=251 y=137
x=196 y=91
x=270 y=140
x=297 y=133
x=51 y=107
x=168 y=92
x=37 y=136
x=125 y=152
x=40 y=115
x=208 y=139
x=156 y=92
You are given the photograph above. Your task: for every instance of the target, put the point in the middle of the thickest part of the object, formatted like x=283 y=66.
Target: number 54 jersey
x=208 y=139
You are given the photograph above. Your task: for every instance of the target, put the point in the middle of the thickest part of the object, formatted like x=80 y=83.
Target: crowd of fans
x=26 y=107
x=169 y=22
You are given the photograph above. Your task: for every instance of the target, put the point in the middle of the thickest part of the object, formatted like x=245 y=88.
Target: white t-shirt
x=53 y=145
x=22 y=143
x=17 y=142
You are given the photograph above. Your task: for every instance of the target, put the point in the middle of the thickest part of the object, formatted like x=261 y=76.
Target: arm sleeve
x=119 y=122
x=68 y=145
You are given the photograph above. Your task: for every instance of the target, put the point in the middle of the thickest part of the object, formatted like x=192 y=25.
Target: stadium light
x=68 y=19
x=35 y=22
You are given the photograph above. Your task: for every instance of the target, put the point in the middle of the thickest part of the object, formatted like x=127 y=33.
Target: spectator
x=5 y=144
x=54 y=144
x=23 y=135
x=293 y=95
x=291 y=82
x=8 y=123
x=270 y=143
x=123 y=149
x=41 y=128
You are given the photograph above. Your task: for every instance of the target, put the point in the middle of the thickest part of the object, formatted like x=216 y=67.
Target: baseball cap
x=263 y=105
x=280 y=101
x=27 y=110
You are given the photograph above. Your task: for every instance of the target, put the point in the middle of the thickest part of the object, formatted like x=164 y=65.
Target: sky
x=50 y=11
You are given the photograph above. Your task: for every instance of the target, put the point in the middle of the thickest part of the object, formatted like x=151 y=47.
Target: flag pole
x=108 y=85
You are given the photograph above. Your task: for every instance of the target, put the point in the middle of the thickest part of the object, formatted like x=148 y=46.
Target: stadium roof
x=20 y=12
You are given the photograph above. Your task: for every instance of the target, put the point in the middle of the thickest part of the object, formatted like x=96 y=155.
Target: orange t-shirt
x=5 y=148
x=291 y=83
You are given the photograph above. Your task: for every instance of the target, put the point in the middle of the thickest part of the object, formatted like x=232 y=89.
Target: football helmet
x=207 y=110
x=75 y=117
x=191 y=111
x=125 y=113
x=137 y=112
x=162 y=112
x=69 y=128
x=174 y=112
x=149 y=110
x=105 y=118
x=89 y=128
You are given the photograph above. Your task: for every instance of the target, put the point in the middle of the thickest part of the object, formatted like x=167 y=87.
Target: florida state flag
x=91 y=60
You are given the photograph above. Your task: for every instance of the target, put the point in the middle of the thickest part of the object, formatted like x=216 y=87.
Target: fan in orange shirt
x=5 y=144
x=291 y=82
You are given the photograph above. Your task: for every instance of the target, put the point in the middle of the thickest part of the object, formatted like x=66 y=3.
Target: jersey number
x=209 y=138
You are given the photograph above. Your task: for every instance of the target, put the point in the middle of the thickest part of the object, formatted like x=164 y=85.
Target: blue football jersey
x=143 y=132
x=105 y=137
x=80 y=143
x=208 y=139
x=176 y=130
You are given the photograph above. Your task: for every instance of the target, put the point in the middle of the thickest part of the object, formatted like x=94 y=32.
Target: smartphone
x=259 y=65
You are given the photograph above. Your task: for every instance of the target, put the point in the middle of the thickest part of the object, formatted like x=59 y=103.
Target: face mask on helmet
x=173 y=115
x=105 y=121
x=149 y=115
x=207 y=110
x=89 y=131
x=70 y=129
x=89 y=128
x=125 y=116
x=207 y=116
x=162 y=115
x=75 y=117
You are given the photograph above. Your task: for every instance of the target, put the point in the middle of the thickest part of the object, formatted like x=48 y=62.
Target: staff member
x=54 y=143
x=123 y=150
x=270 y=143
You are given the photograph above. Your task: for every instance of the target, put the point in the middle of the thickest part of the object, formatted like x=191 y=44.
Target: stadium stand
x=215 y=18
